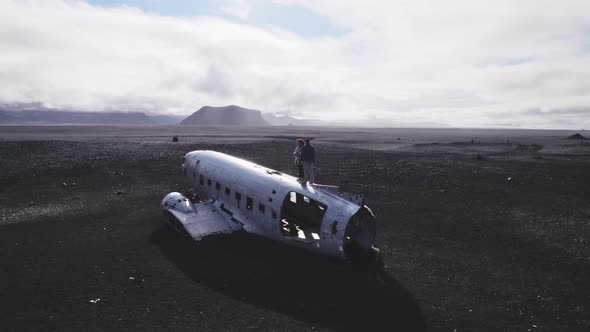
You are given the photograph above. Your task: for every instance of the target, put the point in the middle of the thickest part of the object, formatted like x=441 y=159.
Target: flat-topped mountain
x=231 y=115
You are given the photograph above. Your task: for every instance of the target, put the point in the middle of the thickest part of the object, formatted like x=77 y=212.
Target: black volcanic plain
x=480 y=230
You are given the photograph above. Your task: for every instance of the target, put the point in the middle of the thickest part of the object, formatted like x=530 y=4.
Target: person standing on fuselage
x=297 y=155
x=307 y=159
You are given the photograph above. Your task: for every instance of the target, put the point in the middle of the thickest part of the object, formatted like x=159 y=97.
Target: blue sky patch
x=263 y=13
x=168 y=8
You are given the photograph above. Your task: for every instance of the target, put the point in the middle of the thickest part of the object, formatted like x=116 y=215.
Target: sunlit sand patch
x=26 y=214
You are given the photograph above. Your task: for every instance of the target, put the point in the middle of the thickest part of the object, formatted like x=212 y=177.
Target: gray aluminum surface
x=210 y=173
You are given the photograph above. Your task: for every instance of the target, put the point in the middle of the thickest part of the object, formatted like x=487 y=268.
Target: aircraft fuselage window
x=249 y=203
x=238 y=198
x=217 y=186
x=293 y=196
x=227 y=191
x=201 y=179
x=209 y=182
x=261 y=208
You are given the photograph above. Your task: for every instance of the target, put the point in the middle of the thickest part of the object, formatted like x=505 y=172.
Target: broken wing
x=198 y=220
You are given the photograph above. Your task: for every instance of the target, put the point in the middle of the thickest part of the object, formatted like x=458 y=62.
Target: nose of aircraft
x=359 y=235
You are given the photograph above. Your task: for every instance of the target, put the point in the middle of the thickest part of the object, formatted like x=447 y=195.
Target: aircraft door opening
x=301 y=217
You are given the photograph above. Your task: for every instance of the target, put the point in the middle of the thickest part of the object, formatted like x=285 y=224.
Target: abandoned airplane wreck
x=241 y=195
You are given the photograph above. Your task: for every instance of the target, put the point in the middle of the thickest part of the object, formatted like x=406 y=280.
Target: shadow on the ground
x=308 y=287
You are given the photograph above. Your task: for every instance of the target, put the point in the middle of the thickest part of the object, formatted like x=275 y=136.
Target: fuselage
x=277 y=206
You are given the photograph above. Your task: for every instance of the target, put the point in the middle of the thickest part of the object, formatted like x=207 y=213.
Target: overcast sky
x=464 y=63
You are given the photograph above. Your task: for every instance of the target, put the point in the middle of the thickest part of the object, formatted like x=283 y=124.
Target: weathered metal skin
x=244 y=195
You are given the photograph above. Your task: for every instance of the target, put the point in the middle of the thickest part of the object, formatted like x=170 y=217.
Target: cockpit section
x=359 y=235
x=301 y=217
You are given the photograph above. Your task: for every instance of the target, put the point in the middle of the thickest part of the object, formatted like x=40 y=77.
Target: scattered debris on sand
x=192 y=196
x=136 y=280
x=577 y=136
x=119 y=192
x=175 y=139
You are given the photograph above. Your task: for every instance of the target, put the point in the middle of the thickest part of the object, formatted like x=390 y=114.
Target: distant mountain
x=6 y=117
x=577 y=136
x=35 y=114
x=55 y=117
x=225 y=116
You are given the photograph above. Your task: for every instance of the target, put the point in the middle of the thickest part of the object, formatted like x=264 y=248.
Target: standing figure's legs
x=308 y=172
x=305 y=171
x=300 y=169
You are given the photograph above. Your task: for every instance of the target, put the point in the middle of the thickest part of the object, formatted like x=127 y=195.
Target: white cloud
x=465 y=63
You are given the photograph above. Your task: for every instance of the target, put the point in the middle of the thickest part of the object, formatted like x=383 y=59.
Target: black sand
x=480 y=231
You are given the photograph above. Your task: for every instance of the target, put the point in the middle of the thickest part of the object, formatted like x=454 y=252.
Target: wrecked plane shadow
x=315 y=289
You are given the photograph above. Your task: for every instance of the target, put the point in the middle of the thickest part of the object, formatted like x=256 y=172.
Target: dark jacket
x=308 y=153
